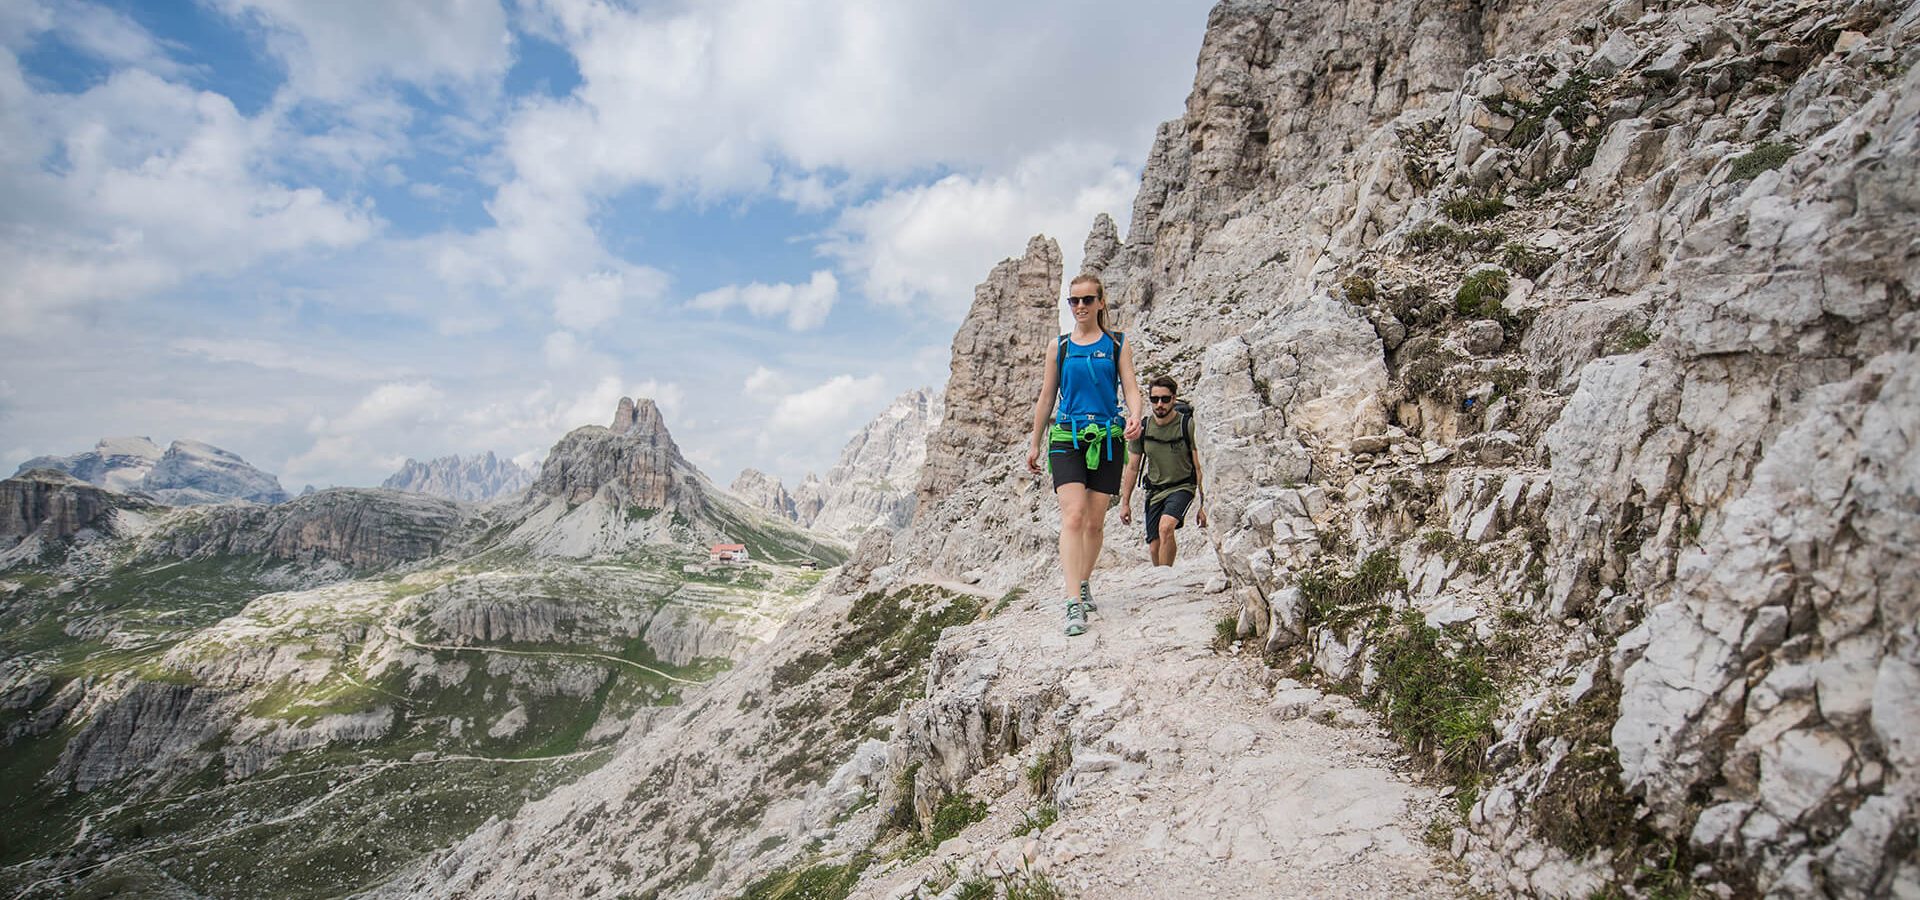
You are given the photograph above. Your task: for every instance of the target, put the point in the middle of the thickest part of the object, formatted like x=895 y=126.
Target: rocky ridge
x=871 y=486
x=765 y=493
x=187 y=473
x=117 y=464
x=1015 y=314
x=1552 y=355
x=472 y=480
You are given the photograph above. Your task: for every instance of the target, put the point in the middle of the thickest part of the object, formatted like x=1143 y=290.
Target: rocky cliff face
x=51 y=505
x=995 y=371
x=873 y=483
x=473 y=480
x=764 y=492
x=117 y=464
x=1545 y=308
x=636 y=459
x=192 y=473
x=356 y=527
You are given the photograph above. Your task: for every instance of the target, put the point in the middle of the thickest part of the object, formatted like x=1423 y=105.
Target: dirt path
x=1185 y=782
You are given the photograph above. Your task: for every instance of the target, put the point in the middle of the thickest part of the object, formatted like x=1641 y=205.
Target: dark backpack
x=1185 y=410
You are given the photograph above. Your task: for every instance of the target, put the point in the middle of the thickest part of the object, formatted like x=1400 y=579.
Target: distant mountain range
x=475 y=479
x=187 y=473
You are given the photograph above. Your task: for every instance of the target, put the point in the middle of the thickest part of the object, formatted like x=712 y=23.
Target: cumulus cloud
x=157 y=183
x=333 y=49
x=829 y=407
x=804 y=305
x=937 y=241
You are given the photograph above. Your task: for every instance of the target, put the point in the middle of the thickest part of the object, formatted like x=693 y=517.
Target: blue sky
x=328 y=236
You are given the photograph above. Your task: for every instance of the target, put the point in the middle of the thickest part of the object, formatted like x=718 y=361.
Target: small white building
x=728 y=553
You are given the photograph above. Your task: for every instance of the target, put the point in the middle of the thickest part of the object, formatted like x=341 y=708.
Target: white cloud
x=589 y=300
x=334 y=49
x=937 y=241
x=411 y=401
x=275 y=355
x=761 y=382
x=829 y=407
x=158 y=183
x=561 y=349
x=804 y=305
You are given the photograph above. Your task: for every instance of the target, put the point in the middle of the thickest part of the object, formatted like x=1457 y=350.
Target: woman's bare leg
x=1072 y=538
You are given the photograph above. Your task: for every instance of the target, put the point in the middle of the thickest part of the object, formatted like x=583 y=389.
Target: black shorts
x=1069 y=466
x=1175 y=505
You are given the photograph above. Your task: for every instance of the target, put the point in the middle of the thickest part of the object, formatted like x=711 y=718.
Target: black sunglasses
x=1166 y=399
x=1082 y=301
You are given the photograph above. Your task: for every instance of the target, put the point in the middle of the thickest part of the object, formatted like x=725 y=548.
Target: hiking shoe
x=1076 y=618
x=1086 y=597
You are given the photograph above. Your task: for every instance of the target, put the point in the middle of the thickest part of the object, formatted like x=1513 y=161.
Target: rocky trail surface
x=1193 y=771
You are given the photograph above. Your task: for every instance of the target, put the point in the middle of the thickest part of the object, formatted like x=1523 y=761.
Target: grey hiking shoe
x=1076 y=618
x=1086 y=597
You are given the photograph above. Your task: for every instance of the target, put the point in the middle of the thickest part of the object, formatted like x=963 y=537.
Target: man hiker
x=1173 y=470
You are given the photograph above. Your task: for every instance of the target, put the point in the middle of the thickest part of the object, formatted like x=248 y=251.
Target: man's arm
x=1199 y=494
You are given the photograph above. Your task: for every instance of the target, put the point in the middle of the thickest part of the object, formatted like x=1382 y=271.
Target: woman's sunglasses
x=1083 y=301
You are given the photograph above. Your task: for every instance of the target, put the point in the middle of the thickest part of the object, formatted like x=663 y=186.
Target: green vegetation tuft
x=1033 y=886
x=1764 y=158
x=1225 y=632
x=1628 y=340
x=1360 y=290
x=1471 y=209
x=1570 y=103
x=1526 y=261
x=955 y=812
x=1006 y=600
x=1430 y=238
x=902 y=816
x=1425 y=367
x=1339 y=601
x=1046 y=769
x=1435 y=695
x=1037 y=820
x=1481 y=293
x=823 y=881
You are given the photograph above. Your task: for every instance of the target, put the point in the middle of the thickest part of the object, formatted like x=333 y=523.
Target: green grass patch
x=1225 y=632
x=1036 y=820
x=1340 y=601
x=1481 y=293
x=1764 y=158
x=1426 y=368
x=1435 y=695
x=954 y=813
x=1527 y=261
x=1045 y=770
x=822 y=881
x=1437 y=237
x=1472 y=209
x=1033 y=886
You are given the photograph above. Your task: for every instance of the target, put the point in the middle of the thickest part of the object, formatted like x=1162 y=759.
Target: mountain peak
x=638 y=417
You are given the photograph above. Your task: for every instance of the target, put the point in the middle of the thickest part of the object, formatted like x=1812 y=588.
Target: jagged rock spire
x=996 y=367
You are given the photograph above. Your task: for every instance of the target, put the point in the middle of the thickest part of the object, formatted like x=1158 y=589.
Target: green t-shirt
x=1168 y=459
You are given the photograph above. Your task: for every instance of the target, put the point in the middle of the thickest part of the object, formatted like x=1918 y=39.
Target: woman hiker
x=1086 y=434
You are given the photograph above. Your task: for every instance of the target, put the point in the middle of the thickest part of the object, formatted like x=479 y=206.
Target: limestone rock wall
x=996 y=369
x=1669 y=440
x=356 y=527
x=637 y=457
x=473 y=480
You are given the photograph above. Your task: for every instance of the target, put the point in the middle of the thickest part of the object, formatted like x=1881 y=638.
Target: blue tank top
x=1089 y=382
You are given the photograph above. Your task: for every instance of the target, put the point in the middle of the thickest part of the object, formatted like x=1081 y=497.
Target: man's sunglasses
x=1082 y=301
x=1159 y=400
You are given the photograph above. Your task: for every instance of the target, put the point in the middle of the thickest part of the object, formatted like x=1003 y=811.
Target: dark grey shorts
x=1069 y=466
x=1175 y=505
